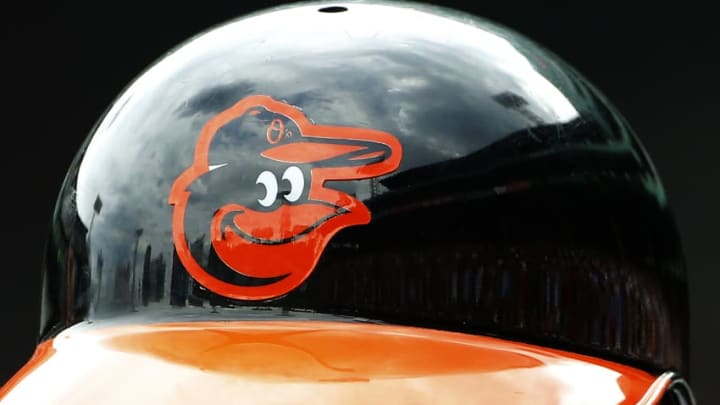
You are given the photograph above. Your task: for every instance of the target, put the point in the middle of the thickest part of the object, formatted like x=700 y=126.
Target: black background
x=63 y=65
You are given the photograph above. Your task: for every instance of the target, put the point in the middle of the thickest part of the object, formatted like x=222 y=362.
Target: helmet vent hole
x=333 y=9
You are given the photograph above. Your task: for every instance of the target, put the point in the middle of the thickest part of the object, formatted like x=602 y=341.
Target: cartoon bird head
x=259 y=177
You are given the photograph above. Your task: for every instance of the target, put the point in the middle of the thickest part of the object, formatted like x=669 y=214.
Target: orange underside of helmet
x=285 y=362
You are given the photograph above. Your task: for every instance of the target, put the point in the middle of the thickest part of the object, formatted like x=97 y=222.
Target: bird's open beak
x=329 y=153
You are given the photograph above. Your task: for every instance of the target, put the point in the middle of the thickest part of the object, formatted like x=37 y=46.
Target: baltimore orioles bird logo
x=257 y=186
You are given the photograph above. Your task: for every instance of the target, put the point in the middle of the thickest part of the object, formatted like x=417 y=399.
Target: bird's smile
x=282 y=225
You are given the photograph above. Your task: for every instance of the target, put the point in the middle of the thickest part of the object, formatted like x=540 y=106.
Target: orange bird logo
x=257 y=186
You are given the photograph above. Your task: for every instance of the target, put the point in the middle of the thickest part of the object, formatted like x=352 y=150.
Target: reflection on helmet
x=360 y=165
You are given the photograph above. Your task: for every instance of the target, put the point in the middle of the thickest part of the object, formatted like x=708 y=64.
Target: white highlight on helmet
x=268 y=180
x=294 y=175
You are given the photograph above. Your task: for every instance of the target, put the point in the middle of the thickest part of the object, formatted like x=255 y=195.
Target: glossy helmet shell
x=392 y=162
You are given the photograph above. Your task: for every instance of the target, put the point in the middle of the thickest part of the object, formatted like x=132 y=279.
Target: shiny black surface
x=524 y=205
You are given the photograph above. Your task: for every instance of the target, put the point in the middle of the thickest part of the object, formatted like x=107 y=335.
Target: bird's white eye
x=268 y=180
x=295 y=177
